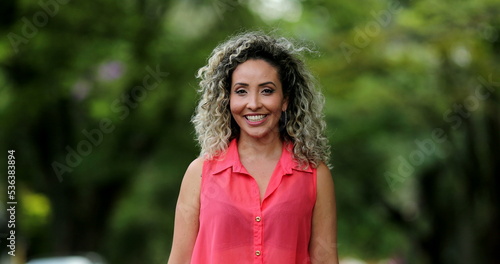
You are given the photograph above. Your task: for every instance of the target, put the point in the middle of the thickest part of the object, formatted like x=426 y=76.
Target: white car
x=91 y=258
x=63 y=260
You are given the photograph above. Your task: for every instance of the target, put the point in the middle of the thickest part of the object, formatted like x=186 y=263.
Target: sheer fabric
x=235 y=227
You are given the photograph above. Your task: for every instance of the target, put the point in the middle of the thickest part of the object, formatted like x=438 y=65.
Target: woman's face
x=256 y=99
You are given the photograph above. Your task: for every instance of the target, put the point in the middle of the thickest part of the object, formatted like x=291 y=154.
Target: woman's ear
x=284 y=106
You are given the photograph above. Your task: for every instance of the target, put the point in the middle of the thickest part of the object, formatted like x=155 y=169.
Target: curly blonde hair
x=305 y=125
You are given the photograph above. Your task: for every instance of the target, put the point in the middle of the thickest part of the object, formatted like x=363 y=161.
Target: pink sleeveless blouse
x=236 y=228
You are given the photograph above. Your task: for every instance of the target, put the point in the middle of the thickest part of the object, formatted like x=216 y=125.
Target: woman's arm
x=186 y=215
x=323 y=245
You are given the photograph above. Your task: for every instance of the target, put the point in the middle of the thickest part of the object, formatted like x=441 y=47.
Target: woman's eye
x=268 y=91
x=240 y=91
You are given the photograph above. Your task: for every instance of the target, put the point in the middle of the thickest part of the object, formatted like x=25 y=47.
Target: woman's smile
x=255 y=119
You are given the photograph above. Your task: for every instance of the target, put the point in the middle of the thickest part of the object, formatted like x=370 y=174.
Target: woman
x=261 y=191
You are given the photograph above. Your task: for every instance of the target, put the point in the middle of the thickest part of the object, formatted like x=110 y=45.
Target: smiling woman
x=261 y=191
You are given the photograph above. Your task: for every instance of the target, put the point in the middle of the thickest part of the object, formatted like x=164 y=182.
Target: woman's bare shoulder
x=196 y=167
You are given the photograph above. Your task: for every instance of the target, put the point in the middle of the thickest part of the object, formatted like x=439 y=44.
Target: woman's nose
x=254 y=102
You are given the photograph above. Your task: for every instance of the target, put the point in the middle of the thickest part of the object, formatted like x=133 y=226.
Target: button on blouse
x=236 y=227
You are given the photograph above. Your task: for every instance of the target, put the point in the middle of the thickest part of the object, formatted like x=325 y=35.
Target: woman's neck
x=259 y=148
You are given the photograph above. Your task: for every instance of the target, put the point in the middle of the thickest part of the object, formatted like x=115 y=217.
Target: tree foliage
x=96 y=99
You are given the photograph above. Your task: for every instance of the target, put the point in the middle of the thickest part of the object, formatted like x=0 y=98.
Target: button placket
x=257 y=228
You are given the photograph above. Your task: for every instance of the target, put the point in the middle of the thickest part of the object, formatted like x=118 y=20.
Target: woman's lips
x=255 y=119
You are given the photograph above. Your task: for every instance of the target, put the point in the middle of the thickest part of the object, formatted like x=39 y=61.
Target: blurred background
x=96 y=99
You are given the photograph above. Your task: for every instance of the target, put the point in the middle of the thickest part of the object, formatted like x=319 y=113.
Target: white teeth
x=255 y=118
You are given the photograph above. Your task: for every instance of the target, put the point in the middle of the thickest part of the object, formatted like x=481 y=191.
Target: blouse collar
x=231 y=158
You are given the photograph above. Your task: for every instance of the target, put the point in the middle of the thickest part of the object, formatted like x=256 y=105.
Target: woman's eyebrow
x=266 y=83
x=240 y=83
x=262 y=84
